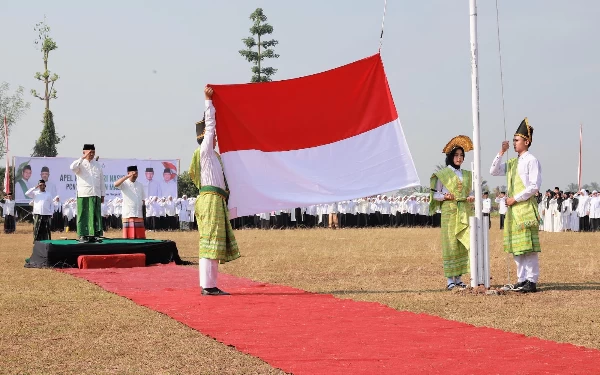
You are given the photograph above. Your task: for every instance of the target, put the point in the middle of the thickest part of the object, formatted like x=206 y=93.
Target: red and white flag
x=580 y=152
x=322 y=138
x=7 y=171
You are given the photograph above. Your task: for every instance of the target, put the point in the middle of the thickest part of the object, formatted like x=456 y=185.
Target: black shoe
x=213 y=292
x=529 y=287
x=520 y=284
x=84 y=239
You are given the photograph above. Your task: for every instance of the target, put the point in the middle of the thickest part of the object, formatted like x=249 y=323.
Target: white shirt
x=133 y=195
x=42 y=201
x=487 y=205
x=211 y=170
x=169 y=189
x=530 y=172
x=8 y=208
x=170 y=207
x=90 y=178
x=501 y=205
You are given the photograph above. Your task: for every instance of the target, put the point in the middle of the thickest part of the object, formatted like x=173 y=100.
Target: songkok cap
x=45 y=169
x=200 y=128
x=525 y=131
x=88 y=146
x=132 y=168
x=458 y=141
x=42 y=182
x=150 y=169
x=167 y=170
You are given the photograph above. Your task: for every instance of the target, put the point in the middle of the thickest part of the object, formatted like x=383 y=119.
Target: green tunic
x=455 y=220
x=521 y=225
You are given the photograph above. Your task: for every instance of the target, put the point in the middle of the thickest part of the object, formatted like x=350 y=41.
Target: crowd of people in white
x=568 y=211
x=559 y=212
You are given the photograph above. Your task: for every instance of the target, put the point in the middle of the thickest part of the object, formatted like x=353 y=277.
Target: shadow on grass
x=570 y=286
x=346 y=292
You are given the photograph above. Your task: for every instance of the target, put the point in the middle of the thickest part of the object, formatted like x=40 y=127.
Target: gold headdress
x=459 y=141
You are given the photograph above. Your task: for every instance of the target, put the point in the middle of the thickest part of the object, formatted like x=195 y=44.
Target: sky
x=132 y=72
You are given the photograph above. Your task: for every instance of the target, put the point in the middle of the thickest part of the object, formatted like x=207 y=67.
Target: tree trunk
x=46 y=97
x=258 y=57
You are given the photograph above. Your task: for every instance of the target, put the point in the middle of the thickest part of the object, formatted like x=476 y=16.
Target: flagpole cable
x=503 y=119
x=382 y=24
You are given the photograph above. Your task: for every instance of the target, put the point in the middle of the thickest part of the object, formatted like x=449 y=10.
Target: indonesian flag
x=323 y=138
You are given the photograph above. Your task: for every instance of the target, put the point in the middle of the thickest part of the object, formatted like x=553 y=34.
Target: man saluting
x=90 y=195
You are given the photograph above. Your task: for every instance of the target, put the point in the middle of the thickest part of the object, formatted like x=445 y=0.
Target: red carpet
x=307 y=333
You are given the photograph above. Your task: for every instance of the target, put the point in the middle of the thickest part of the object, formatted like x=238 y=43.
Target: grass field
x=53 y=323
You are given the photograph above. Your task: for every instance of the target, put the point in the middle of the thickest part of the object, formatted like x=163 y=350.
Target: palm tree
x=572 y=187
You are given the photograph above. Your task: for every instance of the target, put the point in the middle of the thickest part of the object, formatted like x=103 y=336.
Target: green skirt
x=455 y=239
x=217 y=240
x=89 y=216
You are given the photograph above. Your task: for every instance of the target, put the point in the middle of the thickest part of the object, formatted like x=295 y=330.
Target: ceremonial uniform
x=455 y=211
x=217 y=241
x=8 y=212
x=90 y=193
x=42 y=212
x=521 y=230
x=131 y=208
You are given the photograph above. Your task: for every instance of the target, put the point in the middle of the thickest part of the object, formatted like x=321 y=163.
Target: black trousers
x=502 y=221
x=584 y=224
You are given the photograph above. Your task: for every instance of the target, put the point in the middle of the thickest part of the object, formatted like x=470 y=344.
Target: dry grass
x=54 y=323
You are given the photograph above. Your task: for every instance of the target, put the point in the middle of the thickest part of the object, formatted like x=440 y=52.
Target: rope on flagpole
x=382 y=24
x=503 y=117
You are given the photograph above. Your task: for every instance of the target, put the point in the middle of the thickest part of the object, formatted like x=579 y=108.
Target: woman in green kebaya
x=451 y=190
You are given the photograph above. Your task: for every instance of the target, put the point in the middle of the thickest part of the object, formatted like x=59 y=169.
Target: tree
x=594 y=186
x=46 y=144
x=185 y=186
x=46 y=45
x=260 y=28
x=573 y=187
x=11 y=106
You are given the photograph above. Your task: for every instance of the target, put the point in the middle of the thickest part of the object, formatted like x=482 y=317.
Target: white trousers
x=528 y=267
x=209 y=270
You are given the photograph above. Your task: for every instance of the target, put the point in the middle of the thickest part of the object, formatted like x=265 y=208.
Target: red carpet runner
x=307 y=333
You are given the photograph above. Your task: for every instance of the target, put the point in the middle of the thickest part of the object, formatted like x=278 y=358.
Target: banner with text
x=159 y=177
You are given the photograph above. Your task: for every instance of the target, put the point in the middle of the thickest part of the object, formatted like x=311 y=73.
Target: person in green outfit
x=90 y=195
x=451 y=191
x=521 y=225
x=217 y=241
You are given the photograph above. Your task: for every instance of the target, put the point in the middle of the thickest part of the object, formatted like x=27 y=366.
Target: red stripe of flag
x=304 y=112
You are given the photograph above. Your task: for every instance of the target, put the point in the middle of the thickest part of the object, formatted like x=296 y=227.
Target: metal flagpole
x=382 y=23
x=579 y=168
x=478 y=263
x=7 y=189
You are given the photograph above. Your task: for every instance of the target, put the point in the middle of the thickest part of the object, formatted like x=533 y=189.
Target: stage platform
x=64 y=253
